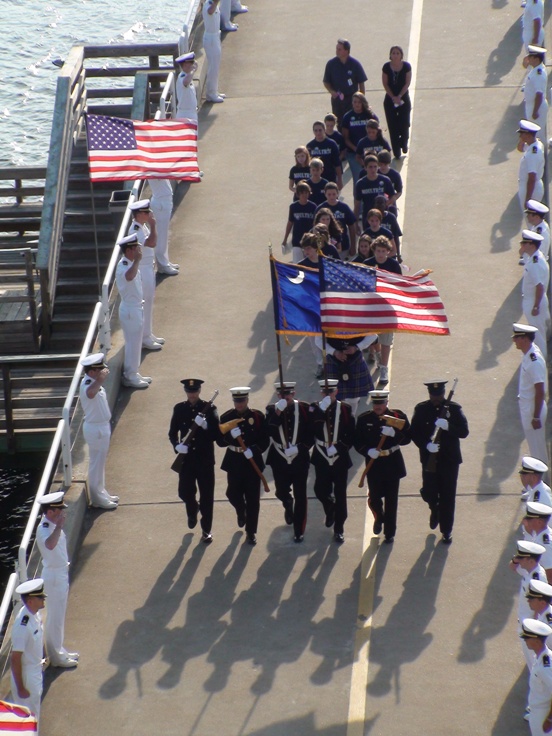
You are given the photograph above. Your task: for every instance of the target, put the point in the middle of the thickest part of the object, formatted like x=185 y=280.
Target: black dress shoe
x=251 y=539
x=378 y=526
x=405 y=148
x=434 y=519
x=447 y=539
x=298 y=538
x=330 y=517
x=288 y=514
x=192 y=522
x=339 y=538
x=241 y=520
x=206 y=538
x=389 y=540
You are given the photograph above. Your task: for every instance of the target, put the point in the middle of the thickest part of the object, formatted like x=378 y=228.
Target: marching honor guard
x=144 y=227
x=27 y=647
x=193 y=431
x=52 y=544
x=534 y=488
x=291 y=438
x=379 y=435
x=437 y=427
x=96 y=428
x=334 y=430
x=244 y=434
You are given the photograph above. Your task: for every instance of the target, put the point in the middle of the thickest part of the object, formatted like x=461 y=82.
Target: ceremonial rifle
x=431 y=465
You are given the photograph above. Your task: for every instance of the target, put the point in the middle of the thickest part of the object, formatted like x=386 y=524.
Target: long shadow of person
x=503 y=59
x=507 y=228
x=496 y=339
x=138 y=640
x=306 y=726
x=509 y=715
x=205 y=610
x=264 y=359
x=416 y=605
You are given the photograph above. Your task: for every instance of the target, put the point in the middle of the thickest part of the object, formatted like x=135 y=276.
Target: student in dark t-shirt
x=301 y=169
x=316 y=181
x=368 y=188
x=373 y=141
x=384 y=163
x=344 y=216
x=327 y=150
x=330 y=122
x=390 y=222
x=300 y=219
x=375 y=228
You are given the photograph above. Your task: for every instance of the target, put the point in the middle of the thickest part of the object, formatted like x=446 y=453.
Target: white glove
x=388 y=431
x=248 y=454
x=325 y=402
x=201 y=421
x=181 y=448
x=432 y=447
x=442 y=424
x=332 y=451
x=281 y=404
x=291 y=451
x=236 y=432
x=373 y=453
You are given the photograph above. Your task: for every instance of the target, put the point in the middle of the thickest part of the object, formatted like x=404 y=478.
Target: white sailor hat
x=54 y=500
x=185 y=57
x=142 y=205
x=285 y=387
x=530 y=236
x=33 y=588
x=378 y=397
x=533 y=49
x=520 y=329
x=95 y=360
x=533 y=205
x=539 y=589
x=526 y=126
x=532 y=465
x=240 y=392
x=533 y=629
x=529 y=549
x=128 y=240
x=537 y=510
x=330 y=384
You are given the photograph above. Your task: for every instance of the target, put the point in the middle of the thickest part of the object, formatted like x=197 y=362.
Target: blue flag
x=296 y=299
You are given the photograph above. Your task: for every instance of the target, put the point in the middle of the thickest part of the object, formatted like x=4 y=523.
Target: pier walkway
x=286 y=640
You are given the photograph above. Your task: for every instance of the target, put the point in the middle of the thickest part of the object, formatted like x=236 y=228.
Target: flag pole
x=278 y=343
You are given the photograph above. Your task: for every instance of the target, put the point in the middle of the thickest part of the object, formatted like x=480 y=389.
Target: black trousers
x=244 y=493
x=383 y=499
x=439 y=492
x=202 y=476
x=340 y=107
x=398 y=124
x=331 y=483
x=288 y=478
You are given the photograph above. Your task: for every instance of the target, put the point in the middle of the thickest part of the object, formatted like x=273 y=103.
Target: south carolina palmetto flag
x=121 y=150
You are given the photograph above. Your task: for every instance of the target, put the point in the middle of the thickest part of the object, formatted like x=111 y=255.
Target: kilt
x=353 y=375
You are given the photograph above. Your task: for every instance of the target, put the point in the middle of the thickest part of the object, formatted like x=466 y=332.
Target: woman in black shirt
x=396 y=76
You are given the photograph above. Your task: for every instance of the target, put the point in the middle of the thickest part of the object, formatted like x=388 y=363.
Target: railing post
x=66 y=450
x=104 y=328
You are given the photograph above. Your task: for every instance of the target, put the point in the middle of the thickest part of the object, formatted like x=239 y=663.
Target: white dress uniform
x=147 y=272
x=535 y=82
x=540 y=692
x=524 y=610
x=534 y=9
x=213 y=49
x=186 y=97
x=536 y=271
x=161 y=205
x=540 y=493
x=131 y=316
x=97 y=434
x=543 y=229
x=533 y=370
x=27 y=637
x=531 y=162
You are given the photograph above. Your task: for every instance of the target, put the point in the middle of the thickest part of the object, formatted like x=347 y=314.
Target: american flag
x=16 y=720
x=119 y=150
x=358 y=300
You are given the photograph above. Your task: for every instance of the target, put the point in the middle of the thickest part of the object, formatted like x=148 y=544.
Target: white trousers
x=56 y=587
x=538 y=192
x=97 y=438
x=540 y=321
x=32 y=679
x=213 y=51
x=536 y=438
x=225 y=10
x=148 y=289
x=162 y=209
x=132 y=323
x=536 y=719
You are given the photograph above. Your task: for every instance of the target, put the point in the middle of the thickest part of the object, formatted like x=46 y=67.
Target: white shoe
x=216 y=99
x=104 y=504
x=151 y=345
x=232 y=27
x=168 y=270
x=160 y=340
x=115 y=499
x=384 y=374
x=137 y=383
x=147 y=379
x=175 y=265
x=65 y=663
x=243 y=9
x=73 y=655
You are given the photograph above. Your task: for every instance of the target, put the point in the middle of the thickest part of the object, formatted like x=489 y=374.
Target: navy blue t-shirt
x=396 y=179
x=317 y=191
x=302 y=216
x=382 y=231
x=344 y=77
x=328 y=250
x=365 y=145
x=328 y=152
x=297 y=173
x=339 y=139
x=345 y=217
x=391 y=223
x=355 y=123
x=390 y=265
x=367 y=190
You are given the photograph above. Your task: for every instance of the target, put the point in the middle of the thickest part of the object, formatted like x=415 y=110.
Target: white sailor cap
x=530 y=236
x=526 y=126
x=285 y=387
x=95 y=360
x=533 y=205
x=128 y=240
x=532 y=465
x=529 y=549
x=330 y=383
x=537 y=510
x=533 y=629
x=33 y=588
x=240 y=392
x=539 y=589
x=54 y=500
x=519 y=329
x=142 y=205
x=533 y=49
x=378 y=397
x=185 y=57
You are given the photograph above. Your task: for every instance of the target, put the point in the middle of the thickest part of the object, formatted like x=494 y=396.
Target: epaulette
x=539 y=230
x=535 y=149
x=535 y=258
x=24 y=620
x=535 y=576
x=546 y=661
x=46 y=524
x=88 y=382
x=536 y=496
x=136 y=226
x=539 y=70
x=546 y=539
x=549 y=617
x=125 y=263
x=532 y=356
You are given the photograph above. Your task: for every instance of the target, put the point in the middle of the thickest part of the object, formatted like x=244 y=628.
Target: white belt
x=319 y=446
x=280 y=450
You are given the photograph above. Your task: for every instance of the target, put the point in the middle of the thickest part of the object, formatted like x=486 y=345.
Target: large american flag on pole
x=357 y=300
x=119 y=149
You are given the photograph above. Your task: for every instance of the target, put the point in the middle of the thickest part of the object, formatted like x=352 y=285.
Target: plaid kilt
x=358 y=381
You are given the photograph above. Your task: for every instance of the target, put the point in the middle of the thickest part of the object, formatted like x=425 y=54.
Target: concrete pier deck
x=285 y=639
